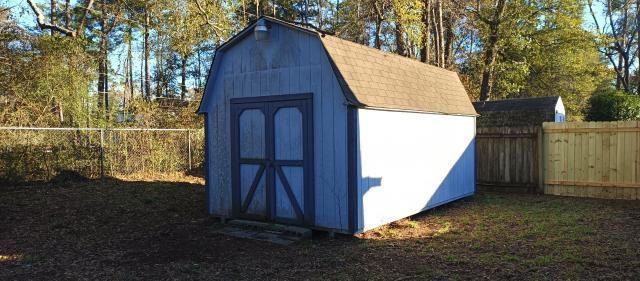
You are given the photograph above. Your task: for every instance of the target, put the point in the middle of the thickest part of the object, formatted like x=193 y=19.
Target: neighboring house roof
x=521 y=104
x=372 y=78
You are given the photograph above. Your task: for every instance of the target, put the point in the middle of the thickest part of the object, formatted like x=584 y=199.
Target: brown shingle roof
x=519 y=104
x=373 y=78
x=382 y=80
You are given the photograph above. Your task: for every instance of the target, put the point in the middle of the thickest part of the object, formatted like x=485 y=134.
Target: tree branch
x=217 y=29
x=84 y=17
x=593 y=15
x=46 y=25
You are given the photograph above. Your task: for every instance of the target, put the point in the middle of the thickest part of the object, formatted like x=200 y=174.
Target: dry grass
x=127 y=230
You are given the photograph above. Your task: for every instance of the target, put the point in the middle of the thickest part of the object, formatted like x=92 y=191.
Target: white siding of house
x=560 y=115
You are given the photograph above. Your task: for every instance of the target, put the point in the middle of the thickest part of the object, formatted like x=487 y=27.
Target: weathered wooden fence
x=509 y=158
x=592 y=159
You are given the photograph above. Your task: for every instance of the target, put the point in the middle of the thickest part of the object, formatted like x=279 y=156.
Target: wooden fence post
x=539 y=142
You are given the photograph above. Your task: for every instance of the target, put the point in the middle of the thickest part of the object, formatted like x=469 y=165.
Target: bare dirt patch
x=160 y=230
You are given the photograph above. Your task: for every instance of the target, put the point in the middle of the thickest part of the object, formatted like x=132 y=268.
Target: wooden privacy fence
x=509 y=158
x=592 y=159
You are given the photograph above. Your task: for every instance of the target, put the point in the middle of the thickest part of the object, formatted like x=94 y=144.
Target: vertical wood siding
x=291 y=62
x=251 y=129
x=592 y=159
x=508 y=158
x=288 y=130
x=410 y=162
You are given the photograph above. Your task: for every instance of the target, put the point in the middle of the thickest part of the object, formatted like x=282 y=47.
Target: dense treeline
x=144 y=63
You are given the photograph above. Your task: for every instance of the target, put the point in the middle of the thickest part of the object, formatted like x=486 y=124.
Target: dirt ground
x=125 y=230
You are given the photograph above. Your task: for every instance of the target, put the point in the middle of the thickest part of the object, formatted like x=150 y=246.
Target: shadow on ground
x=160 y=230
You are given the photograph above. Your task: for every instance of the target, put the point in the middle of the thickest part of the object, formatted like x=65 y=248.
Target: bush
x=613 y=106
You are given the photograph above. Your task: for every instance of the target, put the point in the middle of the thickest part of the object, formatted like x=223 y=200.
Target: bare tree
x=622 y=28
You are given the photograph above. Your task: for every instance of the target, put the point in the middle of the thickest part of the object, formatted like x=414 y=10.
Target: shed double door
x=272 y=165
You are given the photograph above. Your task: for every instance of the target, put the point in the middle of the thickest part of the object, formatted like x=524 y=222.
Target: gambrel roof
x=376 y=79
x=384 y=80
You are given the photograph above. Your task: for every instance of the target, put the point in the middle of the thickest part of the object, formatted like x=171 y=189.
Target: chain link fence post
x=189 y=143
x=102 y=154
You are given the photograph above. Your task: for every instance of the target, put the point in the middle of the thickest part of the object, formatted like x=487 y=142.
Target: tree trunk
x=379 y=19
x=127 y=81
x=619 y=70
x=625 y=52
x=53 y=13
x=627 y=68
x=426 y=35
x=130 y=60
x=449 y=37
x=67 y=14
x=638 y=40
x=158 y=90
x=320 y=17
x=199 y=69
x=363 y=33
x=102 y=64
x=377 y=41
x=147 y=48
x=436 y=38
x=183 y=84
x=490 y=52
x=306 y=11
x=337 y=17
x=440 y=35
x=400 y=47
x=142 y=65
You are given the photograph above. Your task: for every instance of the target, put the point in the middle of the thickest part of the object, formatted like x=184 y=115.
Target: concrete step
x=260 y=235
x=273 y=228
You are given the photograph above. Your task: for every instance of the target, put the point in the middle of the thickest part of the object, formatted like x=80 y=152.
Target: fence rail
x=592 y=159
x=41 y=154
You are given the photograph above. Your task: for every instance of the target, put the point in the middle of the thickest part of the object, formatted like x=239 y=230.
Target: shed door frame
x=269 y=105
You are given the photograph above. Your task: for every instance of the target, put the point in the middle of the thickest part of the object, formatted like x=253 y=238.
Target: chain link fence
x=42 y=154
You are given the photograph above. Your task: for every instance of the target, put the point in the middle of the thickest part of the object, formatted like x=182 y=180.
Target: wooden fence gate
x=592 y=159
x=509 y=158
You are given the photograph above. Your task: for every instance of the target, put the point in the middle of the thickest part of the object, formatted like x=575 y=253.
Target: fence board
x=507 y=157
x=592 y=159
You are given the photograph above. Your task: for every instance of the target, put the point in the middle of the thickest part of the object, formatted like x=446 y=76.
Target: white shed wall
x=409 y=162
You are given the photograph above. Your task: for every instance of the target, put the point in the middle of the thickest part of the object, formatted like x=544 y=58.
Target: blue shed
x=307 y=129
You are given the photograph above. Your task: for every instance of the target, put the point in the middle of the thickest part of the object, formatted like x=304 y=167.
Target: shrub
x=613 y=106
